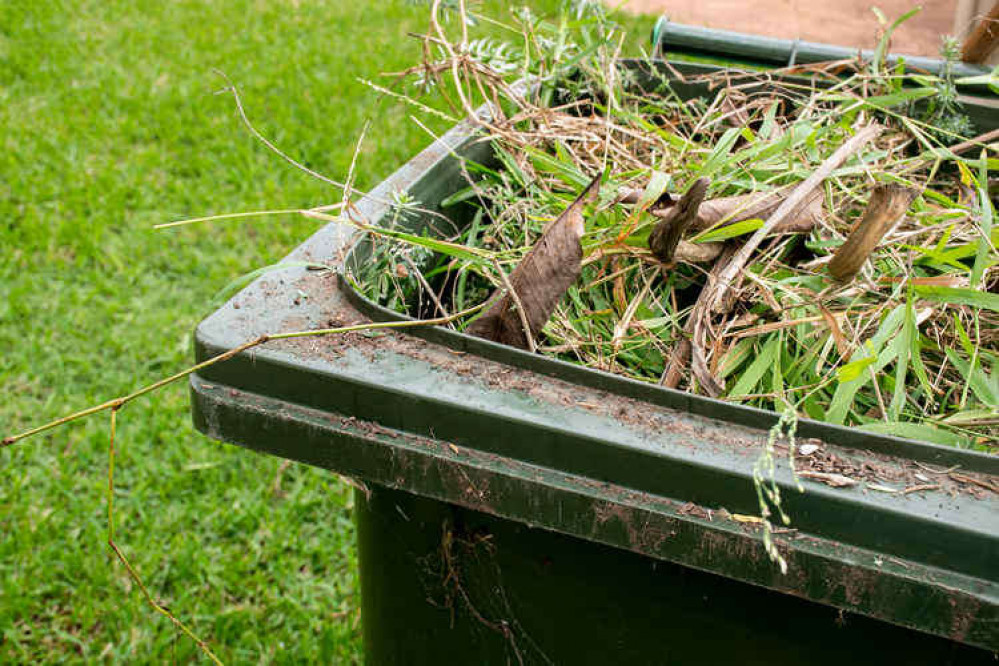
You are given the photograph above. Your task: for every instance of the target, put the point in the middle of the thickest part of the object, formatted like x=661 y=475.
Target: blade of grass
x=985 y=212
x=958 y=296
x=904 y=346
x=918 y=431
x=749 y=379
x=843 y=398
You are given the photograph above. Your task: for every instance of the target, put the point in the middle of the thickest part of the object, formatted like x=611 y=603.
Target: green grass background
x=110 y=126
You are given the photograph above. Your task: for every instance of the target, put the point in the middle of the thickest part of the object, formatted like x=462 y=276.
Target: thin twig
x=980 y=141
x=159 y=608
x=117 y=403
x=426 y=286
x=237 y=99
x=231 y=88
x=133 y=574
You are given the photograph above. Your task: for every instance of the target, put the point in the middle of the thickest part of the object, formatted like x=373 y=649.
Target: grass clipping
x=821 y=242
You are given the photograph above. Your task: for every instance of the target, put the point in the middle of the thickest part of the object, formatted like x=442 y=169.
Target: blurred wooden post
x=983 y=38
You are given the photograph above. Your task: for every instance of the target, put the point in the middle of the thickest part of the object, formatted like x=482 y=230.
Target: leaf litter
x=818 y=239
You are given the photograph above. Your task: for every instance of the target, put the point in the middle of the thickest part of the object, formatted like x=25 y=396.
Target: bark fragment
x=885 y=208
x=666 y=235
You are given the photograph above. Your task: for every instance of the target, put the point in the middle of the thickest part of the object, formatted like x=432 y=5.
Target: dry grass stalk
x=679 y=358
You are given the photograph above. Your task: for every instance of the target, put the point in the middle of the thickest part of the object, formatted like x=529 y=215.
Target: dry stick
x=678 y=360
x=978 y=141
x=698 y=327
x=886 y=207
x=160 y=609
x=666 y=234
x=715 y=290
x=982 y=141
x=133 y=574
x=426 y=285
x=963 y=478
x=117 y=403
x=983 y=39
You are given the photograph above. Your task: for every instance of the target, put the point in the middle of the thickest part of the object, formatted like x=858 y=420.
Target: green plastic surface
x=447 y=585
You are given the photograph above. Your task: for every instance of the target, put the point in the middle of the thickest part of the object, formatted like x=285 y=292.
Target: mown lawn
x=110 y=126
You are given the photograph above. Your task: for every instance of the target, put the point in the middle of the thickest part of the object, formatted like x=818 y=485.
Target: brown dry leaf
x=697 y=253
x=666 y=235
x=540 y=279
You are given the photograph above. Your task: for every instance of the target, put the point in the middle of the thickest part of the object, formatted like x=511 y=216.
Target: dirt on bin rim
x=823 y=463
